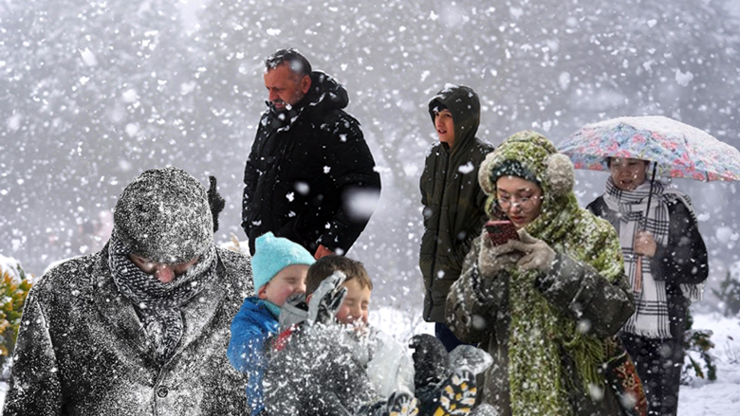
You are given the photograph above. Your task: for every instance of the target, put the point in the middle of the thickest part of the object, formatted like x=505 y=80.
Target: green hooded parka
x=454 y=204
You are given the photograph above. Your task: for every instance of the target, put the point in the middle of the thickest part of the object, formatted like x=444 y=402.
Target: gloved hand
x=215 y=201
x=538 y=254
x=493 y=259
x=430 y=359
x=294 y=311
x=327 y=299
x=470 y=358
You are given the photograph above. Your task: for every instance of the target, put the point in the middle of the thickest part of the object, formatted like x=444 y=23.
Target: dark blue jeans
x=449 y=340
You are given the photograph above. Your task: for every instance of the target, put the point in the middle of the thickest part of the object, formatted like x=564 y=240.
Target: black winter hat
x=164 y=216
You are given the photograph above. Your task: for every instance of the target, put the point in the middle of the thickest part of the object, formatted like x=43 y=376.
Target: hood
x=536 y=158
x=325 y=94
x=464 y=105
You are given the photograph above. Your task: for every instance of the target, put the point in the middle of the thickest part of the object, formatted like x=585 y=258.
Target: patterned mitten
x=456 y=394
x=399 y=404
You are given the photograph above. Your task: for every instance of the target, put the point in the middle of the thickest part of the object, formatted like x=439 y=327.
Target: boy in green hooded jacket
x=454 y=204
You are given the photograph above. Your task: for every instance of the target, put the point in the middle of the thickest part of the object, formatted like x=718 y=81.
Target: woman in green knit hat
x=545 y=306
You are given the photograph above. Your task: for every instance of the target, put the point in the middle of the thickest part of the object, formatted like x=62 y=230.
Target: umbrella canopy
x=679 y=150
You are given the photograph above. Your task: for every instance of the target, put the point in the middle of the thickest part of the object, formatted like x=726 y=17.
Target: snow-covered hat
x=273 y=254
x=531 y=156
x=164 y=216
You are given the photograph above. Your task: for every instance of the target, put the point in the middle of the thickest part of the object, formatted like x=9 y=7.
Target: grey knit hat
x=164 y=216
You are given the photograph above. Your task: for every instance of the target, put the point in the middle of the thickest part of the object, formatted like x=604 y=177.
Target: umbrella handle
x=650 y=197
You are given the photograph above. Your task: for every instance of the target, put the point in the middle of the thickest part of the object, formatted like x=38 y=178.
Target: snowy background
x=93 y=93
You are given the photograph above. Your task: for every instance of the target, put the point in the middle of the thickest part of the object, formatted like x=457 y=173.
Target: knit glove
x=493 y=259
x=215 y=201
x=430 y=360
x=294 y=311
x=538 y=255
x=326 y=300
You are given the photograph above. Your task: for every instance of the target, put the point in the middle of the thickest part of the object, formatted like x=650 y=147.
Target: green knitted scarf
x=539 y=333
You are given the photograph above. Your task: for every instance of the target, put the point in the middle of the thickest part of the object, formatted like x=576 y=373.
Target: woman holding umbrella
x=665 y=259
x=546 y=302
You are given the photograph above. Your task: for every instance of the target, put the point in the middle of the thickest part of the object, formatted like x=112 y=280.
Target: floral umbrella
x=678 y=150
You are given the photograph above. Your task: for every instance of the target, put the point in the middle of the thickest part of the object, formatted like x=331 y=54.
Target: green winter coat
x=554 y=322
x=454 y=204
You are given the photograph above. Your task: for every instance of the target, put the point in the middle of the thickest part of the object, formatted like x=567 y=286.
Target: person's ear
x=308 y=298
x=305 y=84
x=262 y=292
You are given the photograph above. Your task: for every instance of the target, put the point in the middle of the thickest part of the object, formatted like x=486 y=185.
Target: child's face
x=290 y=280
x=355 y=308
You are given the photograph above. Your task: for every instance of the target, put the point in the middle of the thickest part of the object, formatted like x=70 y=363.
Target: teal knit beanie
x=273 y=254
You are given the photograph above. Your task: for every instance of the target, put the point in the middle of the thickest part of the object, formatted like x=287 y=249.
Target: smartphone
x=501 y=231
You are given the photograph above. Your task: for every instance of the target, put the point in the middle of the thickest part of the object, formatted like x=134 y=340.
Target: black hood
x=325 y=94
x=464 y=105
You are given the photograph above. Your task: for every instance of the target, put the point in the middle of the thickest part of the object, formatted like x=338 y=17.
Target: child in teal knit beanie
x=279 y=268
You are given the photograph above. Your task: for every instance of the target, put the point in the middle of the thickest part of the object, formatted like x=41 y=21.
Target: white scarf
x=651 y=314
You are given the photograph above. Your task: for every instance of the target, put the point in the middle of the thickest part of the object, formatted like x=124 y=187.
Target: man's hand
x=321 y=252
x=538 y=254
x=645 y=244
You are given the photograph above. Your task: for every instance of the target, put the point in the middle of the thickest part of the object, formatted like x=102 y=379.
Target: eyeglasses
x=511 y=201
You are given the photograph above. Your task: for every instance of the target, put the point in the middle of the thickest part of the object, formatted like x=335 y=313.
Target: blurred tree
x=698 y=341
x=13 y=294
x=729 y=294
x=94 y=94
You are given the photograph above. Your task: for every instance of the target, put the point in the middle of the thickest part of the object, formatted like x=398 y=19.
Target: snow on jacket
x=390 y=368
x=454 y=204
x=81 y=350
x=305 y=170
x=331 y=370
x=584 y=293
x=313 y=373
x=250 y=330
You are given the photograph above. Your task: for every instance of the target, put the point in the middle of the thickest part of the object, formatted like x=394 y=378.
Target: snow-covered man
x=310 y=176
x=141 y=327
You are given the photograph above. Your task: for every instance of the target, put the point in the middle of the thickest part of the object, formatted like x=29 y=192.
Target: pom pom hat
x=273 y=254
x=164 y=217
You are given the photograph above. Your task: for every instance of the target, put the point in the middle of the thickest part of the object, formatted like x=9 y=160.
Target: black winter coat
x=454 y=203
x=683 y=261
x=307 y=170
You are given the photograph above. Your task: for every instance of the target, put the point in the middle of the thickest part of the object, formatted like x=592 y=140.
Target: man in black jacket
x=310 y=176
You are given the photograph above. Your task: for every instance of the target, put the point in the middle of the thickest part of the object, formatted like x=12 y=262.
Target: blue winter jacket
x=250 y=328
